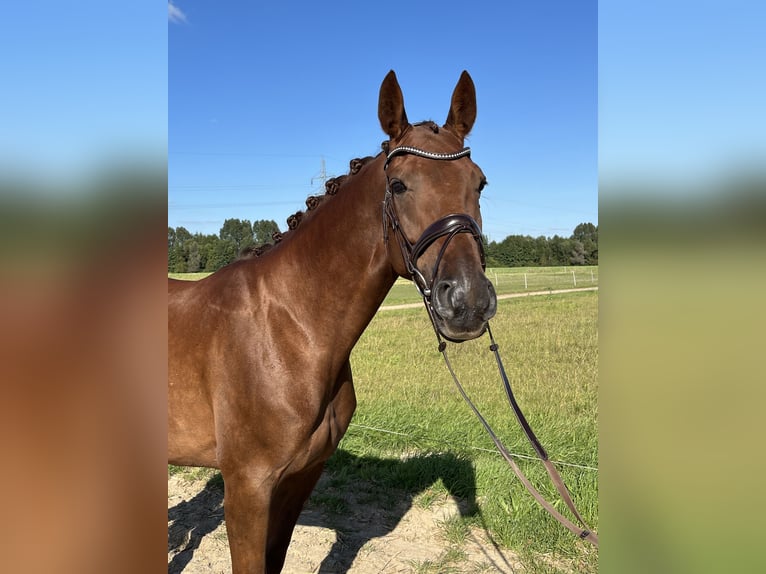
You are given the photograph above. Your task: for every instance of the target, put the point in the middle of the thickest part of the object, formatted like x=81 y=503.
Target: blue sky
x=247 y=100
x=681 y=90
x=260 y=93
x=84 y=85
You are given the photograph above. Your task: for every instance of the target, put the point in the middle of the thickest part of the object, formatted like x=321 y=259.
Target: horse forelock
x=433 y=126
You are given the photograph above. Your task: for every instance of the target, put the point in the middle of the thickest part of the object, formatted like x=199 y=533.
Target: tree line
x=580 y=248
x=191 y=253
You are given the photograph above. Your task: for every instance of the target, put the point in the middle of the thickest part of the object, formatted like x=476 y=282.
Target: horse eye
x=481 y=185
x=397 y=186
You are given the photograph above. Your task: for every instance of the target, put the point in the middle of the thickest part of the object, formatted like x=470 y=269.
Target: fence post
x=525 y=282
x=574 y=279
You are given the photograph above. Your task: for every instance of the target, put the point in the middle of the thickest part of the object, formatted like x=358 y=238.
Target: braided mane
x=332 y=186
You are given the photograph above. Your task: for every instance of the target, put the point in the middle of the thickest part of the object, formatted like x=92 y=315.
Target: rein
x=449 y=226
x=585 y=532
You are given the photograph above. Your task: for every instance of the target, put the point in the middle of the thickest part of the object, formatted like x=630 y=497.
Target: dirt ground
x=361 y=535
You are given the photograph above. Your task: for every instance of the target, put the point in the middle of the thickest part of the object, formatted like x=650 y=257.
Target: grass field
x=413 y=433
x=549 y=347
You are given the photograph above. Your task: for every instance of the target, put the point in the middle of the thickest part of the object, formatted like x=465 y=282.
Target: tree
x=577 y=255
x=522 y=250
x=263 y=230
x=220 y=253
x=561 y=250
x=585 y=231
x=193 y=260
x=543 y=251
x=587 y=235
x=178 y=252
x=238 y=232
x=171 y=251
x=171 y=237
x=182 y=235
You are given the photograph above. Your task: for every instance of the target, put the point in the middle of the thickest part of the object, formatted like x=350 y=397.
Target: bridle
x=450 y=226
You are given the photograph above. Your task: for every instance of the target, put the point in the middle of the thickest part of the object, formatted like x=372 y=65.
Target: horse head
x=431 y=209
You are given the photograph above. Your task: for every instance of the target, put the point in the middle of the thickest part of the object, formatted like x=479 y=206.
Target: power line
x=172 y=206
x=237 y=186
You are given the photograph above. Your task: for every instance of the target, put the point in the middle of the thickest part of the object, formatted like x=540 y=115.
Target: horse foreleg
x=246 y=504
x=288 y=501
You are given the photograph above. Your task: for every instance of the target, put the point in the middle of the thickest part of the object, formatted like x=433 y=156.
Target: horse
x=259 y=378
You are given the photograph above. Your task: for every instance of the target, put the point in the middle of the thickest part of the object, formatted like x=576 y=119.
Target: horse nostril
x=444 y=295
x=444 y=286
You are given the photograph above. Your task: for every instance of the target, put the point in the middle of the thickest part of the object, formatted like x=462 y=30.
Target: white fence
x=535 y=279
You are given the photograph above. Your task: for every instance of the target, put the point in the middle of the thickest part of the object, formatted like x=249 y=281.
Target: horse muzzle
x=460 y=302
x=462 y=307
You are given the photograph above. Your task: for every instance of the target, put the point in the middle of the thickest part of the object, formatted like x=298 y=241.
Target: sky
x=244 y=100
x=681 y=91
x=78 y=90
x=261 y=95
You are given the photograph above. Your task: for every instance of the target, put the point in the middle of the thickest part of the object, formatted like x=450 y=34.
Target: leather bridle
x=450 y=226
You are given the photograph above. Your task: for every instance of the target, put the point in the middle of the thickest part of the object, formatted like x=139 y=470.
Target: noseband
x=448 y=226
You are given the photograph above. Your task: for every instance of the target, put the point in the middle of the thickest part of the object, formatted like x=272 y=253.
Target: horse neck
x=337 y=259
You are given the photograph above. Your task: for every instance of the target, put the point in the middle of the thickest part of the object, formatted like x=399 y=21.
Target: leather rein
x=450 y=226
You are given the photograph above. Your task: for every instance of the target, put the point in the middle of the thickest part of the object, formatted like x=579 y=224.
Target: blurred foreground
x=682 y=318
x=82 y=373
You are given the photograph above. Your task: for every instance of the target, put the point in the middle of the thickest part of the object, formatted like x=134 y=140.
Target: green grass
x=189 y=276
x=549 y=347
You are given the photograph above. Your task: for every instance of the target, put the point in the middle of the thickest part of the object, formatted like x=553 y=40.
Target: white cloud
x=175 y=14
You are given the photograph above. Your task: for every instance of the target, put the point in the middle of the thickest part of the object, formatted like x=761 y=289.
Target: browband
x=404 y=150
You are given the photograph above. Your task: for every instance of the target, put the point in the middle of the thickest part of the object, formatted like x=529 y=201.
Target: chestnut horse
x=259 y=380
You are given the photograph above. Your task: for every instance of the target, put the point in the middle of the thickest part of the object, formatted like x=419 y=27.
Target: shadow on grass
x=360 y=497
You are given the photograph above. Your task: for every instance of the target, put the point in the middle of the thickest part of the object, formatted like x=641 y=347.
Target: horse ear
x=393 y=118
x=462 y=111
